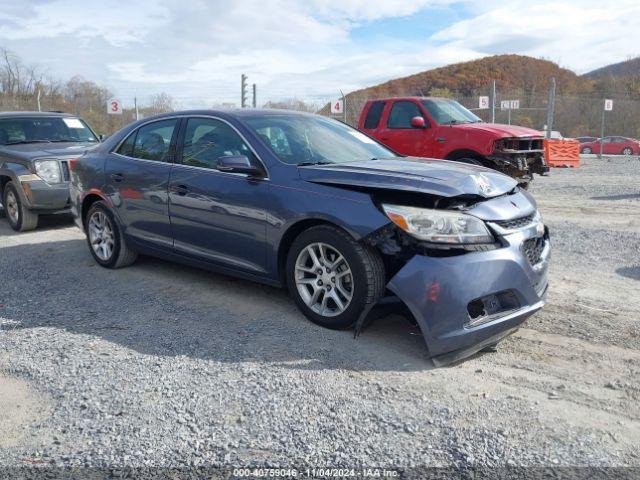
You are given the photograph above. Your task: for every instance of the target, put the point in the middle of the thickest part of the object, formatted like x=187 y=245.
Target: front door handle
x=441 y=139
x=117 y=177
x=181 y=190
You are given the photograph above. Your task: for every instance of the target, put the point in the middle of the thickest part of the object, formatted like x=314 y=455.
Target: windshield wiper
x=308 y=164
x=71 y=140
x=18 y=142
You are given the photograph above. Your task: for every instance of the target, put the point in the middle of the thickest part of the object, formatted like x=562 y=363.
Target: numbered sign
x=114 y=106
x=483 y=102
x=608 y=105
x=337 y=106
x=514 y=104
x=504 y=104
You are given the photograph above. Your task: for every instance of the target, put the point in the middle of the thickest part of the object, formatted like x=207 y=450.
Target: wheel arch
x=292 y=232
x=464 y=153
x=87 y=202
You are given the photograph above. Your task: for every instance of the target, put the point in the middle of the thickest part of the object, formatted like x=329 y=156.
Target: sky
x=196 y=50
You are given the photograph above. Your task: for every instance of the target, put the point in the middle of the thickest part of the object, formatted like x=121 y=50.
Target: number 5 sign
x=114 y=106
x=337 y=106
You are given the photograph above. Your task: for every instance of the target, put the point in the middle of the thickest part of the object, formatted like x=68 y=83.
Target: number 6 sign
x=114 y=106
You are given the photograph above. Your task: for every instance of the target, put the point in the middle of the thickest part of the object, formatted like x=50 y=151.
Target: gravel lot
x=164 y=365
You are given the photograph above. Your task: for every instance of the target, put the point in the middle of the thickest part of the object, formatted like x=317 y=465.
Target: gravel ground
x=168 y=366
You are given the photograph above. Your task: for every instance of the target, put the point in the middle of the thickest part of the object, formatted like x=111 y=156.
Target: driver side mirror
x=238 y=164
x=418 y=122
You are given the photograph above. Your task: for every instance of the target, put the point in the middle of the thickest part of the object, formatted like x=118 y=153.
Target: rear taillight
x=72 y=164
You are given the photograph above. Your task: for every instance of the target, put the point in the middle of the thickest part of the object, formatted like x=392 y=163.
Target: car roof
x=410 y=98
x=226 y=113
x=35 y=114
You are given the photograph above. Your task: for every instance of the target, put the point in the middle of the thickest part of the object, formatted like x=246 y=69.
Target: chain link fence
x=574 y=115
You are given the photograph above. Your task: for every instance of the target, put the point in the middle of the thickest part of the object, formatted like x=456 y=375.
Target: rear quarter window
x=373 y=115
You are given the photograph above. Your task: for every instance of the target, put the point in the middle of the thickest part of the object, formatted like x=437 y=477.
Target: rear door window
x=151 y=141
x=373 y=115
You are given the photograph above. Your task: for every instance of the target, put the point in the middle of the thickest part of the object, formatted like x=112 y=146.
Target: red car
x=612 y=146
x=442 y=128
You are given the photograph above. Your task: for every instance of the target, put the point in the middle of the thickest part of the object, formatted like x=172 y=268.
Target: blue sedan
x=313 y=205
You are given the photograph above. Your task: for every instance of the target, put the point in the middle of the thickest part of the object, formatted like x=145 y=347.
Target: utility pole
x=601 y=132
x=550 y=106
x=39 y=108
x=135 y=104
x=255 y=98
x=493 y=101
x=344 y=106
x=243 y=91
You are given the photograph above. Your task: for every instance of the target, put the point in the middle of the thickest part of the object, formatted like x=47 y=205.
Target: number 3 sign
x=114 y=106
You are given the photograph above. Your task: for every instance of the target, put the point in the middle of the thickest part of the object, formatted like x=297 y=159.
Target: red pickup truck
x=442 y=128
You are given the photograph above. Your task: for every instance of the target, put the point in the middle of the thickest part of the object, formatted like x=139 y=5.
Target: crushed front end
x=467 y=297
x=520 y=157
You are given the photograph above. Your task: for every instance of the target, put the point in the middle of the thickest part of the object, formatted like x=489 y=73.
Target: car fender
x=17 y=173
x=314 y=204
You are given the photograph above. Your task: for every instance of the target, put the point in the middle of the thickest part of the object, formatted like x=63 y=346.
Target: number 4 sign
x=337 y=106
x=114 y=106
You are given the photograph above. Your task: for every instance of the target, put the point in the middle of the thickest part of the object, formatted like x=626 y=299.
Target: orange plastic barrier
x=562 y=153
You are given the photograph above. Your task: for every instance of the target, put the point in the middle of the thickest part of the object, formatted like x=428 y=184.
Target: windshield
x=44 y=129
x=446 y=112
x=305 y=140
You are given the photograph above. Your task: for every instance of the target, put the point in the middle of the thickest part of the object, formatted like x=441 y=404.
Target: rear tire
x=20 y=218
x=105 y=239
x=627 y=151
x=342 y=268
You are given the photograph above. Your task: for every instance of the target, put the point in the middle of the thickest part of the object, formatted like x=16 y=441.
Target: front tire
x=586 y=150
x=20 y=218
x=105 y=239
x=333 y=278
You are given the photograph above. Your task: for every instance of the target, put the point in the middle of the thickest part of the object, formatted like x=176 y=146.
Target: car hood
x=438 y=177
x=39 y=150
x=502 y=131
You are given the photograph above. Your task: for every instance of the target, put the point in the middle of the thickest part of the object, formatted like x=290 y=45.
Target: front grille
x=522 y=144
x=516 y=222
x=533 y=248
x=65 y=170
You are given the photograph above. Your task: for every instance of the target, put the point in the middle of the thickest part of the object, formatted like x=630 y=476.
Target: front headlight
x=439 y=226
x=48 y=170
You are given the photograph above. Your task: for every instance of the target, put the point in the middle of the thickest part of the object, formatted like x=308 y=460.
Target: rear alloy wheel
x=333 y=278
x=105 y=238
x=627 y=151
x=19 y=216
x=586 y=150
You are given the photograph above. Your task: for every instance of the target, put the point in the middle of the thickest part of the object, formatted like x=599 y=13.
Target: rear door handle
x=117 y=177
x=181 y=190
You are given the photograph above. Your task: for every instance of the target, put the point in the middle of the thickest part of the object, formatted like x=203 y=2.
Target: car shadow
x=628 y=196
x=45 y=222
x=160 y=308
x=629 y=272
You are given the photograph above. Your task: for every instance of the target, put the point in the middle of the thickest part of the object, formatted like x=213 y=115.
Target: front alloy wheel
x=19 y=216
x=324 y=279
x=586 y=150
x=332 y=277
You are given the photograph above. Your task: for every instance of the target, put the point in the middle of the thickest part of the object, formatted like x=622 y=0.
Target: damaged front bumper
x=467 y=302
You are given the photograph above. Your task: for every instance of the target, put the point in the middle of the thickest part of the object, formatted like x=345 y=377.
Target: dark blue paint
x=235 y=223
